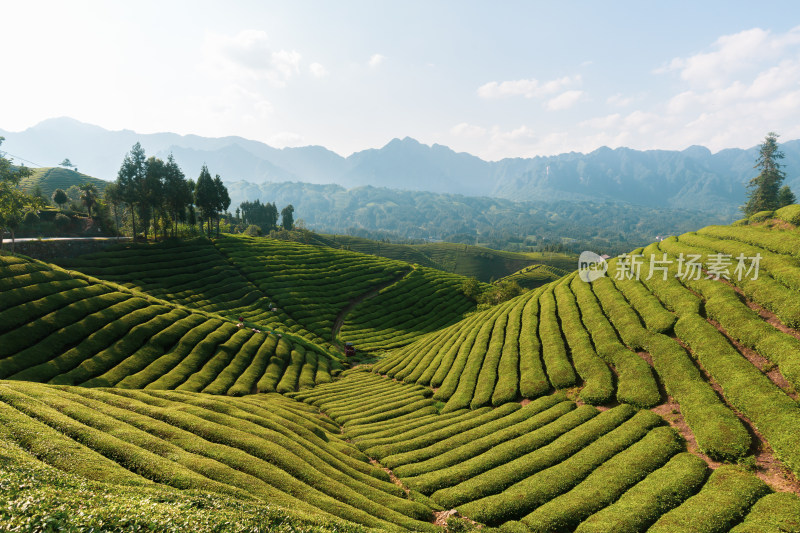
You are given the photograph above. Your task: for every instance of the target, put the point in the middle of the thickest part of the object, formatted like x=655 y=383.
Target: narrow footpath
x=337 y=324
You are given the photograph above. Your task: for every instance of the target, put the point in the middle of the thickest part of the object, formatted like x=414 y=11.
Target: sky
x=495 y=79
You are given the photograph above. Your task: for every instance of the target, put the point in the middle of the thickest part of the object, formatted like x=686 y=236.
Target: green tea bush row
x=784 y=268
x=774 y=513
x=464 y=391
x=722 y=502
x=494 y=449
x=248 y=456
x=645 y=502
x=506 y=389
x=635 y=382
x=781 y=242
x=554 y=353
x=607 y=482
x=442 y=440
x=769 y=408
x=744 y=324
x=167 y=362
x=436 y=445
x=535 y=490
x=467 y=360
x=533 y=381
x=719 y=432
x=487 y=378
x=598 y=382
x=561 y=441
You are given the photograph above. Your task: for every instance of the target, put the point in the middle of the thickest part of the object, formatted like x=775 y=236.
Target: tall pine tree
x=130 y=180
x=206 y=197
x=764 y=188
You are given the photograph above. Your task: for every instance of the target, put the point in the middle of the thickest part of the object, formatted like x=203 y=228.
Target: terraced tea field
x=664 y=401
x=550 y=465
x=423 y=301
x=289 y=287
x=193 y=274
x=535 y=276
x=264 y=448
x=48 y=179
x=64 y=327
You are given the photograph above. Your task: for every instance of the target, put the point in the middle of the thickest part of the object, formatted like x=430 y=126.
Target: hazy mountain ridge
x=379 y=212
x=693 y=178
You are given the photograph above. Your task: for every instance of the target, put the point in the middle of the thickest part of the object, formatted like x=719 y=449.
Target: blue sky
x=506 y=79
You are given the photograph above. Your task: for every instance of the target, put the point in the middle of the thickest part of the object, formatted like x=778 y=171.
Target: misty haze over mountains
x=693 y=178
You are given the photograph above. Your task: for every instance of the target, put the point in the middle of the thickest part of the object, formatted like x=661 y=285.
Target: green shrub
x=770 y=410
x=487 y=378
x=167 y=362
x=645 y=502
x=62 y=221
x=468 y=357
x=723 y=502
x=533 y=491
x=774 y=513
x=493 y=449
x=761 y=216
x=444 y=447
x=228 y=375
x=30 y=218
x=507 y=387
x=607 y=482
x=635 y=382
x=789 y=213
x=367 y=438
x=532 y=379
x=288 y=382
x=598 y=385
x=554 y=354
x=495 y=495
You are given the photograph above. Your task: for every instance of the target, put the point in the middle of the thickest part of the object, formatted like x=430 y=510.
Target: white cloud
x=286 y=138
x=249 y=55
x=529 y=88
x=376 y=60
x=317 y=70
x=619 y=100
x=733 y=55
x=468 y=130
x=602 y=123
x=564 y=100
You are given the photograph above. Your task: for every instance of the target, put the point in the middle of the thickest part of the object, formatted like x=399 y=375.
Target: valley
x=212 y=369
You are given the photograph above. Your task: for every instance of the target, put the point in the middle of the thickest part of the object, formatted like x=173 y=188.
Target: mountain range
x=693 y=178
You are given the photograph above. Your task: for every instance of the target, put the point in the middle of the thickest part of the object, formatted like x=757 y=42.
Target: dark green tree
x=287 y=217
x=205 y=197
x=13 y=202
x=113 y=197
x=764 y=188
x=130 y=179
x=471 y=288
x=786 y=197
x=151 y=194
x=88 y=196
x=38 y=193
x=176 y=192
x=60 y=198
x=265 y=216
x=223 y=199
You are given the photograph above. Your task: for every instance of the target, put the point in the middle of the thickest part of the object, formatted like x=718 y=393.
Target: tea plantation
x=199 y=385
